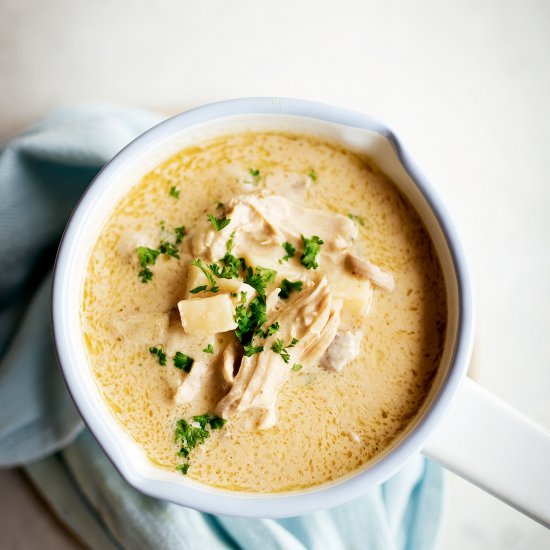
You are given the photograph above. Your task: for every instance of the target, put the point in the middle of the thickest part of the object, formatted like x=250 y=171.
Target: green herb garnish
x=182 y=468
x=208 y=349
x=290 y=252
x=219 y=223
x=197 y=289
x=312 y=174
x=145 y=275
x=312 y=247
x=215 y=422
x=259 y=278
x=230 y=243
x=183 y=362
x=250 y=350
x=270 y=331
x=189 y=437
x=287 y=287
x=280 y=348
x=180 y=233
x=174 y=192
x=218 y=204
x=169 y=249
x=197 y=262
x=296 y=367
x=147 y=256
x=160 y=353
x=255 y=173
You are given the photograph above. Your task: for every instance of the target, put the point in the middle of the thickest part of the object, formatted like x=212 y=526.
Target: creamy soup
x=264 y=312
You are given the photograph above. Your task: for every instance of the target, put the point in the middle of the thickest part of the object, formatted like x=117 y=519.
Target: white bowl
x=352 y=130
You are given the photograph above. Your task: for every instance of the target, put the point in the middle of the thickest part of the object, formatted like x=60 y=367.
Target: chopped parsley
x=180 y=233
x=175 y=192
x=169 y=249
x=313 y=175
x=259 y=278
x=296 y=367
x=145 y=275
x=230 y=268
x=147 y=256
x=249 y=319
x=219 y=223
x=208 y=349
x=290 y=252
x=189 y=436
x=182 y=468
x=280 y=348
x=255 y=174
x=215 y=421
x=230 y=243
x=250 y=350
x=197 y=289
x=312 y=247
x=287 y=287
x=358 y=219
x=197 y=262
x=183 y=362
x=160 y=353
x=270 y=331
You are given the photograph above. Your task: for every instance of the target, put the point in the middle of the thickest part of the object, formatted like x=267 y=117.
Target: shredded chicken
x=364 y=269
x=191 y=384
x=344 y=348
x=261 y=376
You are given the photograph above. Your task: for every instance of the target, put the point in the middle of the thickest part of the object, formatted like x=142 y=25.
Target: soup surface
x=326 y=421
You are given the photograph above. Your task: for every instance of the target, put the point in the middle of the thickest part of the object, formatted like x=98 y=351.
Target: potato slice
x=202 y=316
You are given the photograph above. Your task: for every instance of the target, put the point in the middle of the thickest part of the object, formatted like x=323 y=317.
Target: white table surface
x=465 y=83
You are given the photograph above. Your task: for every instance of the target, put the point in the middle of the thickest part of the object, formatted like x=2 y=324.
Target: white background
x=465 y=84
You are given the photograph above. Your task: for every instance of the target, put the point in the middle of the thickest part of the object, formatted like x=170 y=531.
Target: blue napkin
x=42 y=174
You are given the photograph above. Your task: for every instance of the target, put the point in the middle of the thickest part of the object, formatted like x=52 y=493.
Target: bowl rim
x=272 y=505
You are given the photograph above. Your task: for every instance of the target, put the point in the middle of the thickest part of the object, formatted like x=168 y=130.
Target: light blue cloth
x=42 y=174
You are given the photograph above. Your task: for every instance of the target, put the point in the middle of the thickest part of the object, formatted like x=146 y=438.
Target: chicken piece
x=260 y=376
x=191 y=384
x=344 y=348
x=364 y=269
x=229 y=362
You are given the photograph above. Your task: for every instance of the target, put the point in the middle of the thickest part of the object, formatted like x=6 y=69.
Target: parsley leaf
x=183 y=362
x=296 y=367
x=215 y=422
x=197 y=262
x=250 y=350
x=182 y=468
x=198 y=289
x=219 y=223
x=189 y=436
x=280 y=348
x=290 y=252
x=259 y=278
x=147 y=256
x=180 y=233
x=255 y=173
x=287 y=287
x=169 y=249
x=358 y=219
x=160 y=353
x=174 y=192
x=208 y=349
x=270 y=331
x=145 y=275
x=312 y=174
x=312 y=247
x=229 y=244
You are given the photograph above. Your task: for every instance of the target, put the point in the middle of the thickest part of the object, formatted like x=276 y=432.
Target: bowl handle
x=497 y=448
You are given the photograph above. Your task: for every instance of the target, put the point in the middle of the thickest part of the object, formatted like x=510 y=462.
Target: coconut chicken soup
x=264 y=312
